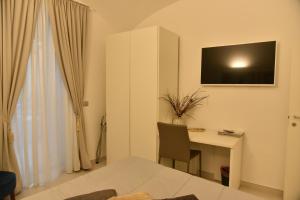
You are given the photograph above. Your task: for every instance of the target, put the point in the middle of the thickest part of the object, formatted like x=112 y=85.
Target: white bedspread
x=139 y=175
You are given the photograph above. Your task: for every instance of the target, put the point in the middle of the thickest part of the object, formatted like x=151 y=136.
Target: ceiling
x=126 y=14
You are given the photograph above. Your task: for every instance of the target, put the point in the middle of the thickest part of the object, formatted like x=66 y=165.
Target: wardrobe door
x=168 y=71
x=144 y=92
x=117 y=96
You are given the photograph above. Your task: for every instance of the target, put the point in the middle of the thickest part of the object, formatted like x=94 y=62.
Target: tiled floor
x=63 y=178
x=267 y=194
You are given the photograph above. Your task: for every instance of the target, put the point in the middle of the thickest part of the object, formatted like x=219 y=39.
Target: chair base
x=12 y=196
x=194 y=154
x=7 y=185
x=188 y=163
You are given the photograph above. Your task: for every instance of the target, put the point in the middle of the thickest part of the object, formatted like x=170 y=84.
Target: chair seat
x=7 y=183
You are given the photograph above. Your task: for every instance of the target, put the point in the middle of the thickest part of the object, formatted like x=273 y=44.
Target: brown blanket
x=99 y=195
x=111 y=194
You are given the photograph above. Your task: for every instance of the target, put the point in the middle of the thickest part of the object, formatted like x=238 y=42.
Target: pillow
x=99 y=195
x=135 y=196
x=186 y=197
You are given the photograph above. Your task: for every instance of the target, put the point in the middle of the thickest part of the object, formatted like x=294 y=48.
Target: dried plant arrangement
x=185 y=105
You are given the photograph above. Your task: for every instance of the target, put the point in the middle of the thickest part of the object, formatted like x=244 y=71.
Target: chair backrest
x=174 y=142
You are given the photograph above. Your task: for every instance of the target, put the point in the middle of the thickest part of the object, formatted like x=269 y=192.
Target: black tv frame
x=247 y=84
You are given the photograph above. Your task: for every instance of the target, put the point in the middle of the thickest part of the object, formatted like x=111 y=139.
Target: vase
x=178 y=121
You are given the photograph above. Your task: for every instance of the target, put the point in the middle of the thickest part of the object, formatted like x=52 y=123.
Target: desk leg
x=235 y=165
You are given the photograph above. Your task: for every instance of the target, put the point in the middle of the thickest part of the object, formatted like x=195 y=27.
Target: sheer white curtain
x=44 y=122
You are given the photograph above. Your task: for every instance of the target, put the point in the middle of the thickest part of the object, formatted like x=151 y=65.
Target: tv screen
x=244 y=64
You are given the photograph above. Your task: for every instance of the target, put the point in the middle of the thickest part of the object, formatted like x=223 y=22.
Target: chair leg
x=173 y=164
x=159 y=159
x=188 y=167
x=200 y=163
x=12 y=196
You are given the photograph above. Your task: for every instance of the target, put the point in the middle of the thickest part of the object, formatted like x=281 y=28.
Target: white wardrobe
x=142 y=66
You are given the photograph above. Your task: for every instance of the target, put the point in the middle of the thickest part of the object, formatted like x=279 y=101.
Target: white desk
x=233 y=143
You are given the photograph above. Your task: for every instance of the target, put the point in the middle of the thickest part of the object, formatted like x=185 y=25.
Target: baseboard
x=103 y=159
x=210 y=176
x=261 y=187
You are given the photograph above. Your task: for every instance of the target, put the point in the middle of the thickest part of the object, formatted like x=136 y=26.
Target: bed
x=138 y=175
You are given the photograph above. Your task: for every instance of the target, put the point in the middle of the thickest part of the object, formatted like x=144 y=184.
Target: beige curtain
x=17 y=23
x=69 y=25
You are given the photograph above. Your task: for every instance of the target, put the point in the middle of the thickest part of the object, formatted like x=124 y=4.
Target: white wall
x=261 y=111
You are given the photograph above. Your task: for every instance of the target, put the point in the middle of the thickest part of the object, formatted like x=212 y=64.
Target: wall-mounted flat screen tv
x=243 y=64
